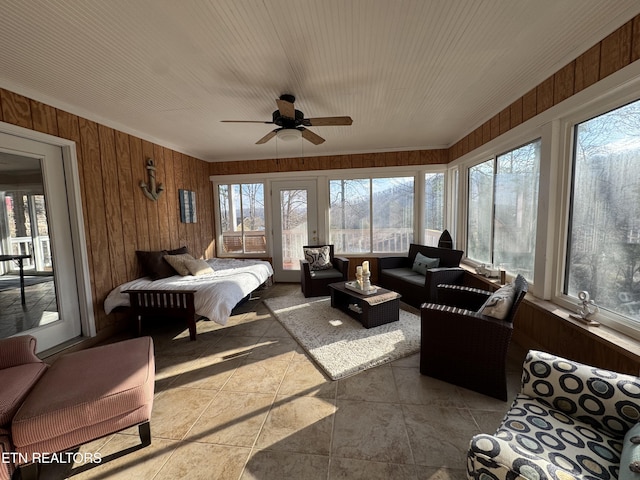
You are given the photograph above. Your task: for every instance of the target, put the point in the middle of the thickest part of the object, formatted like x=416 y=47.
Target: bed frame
x=166 y=303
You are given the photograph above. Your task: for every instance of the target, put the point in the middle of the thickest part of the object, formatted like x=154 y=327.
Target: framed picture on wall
x=187 y=200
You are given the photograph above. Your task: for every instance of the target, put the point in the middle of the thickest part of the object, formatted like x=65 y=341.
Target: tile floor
x=245 y=402
x=40 y=307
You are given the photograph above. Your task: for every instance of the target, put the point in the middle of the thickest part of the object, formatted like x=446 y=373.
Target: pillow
x=198 y=267
x=318 y=258
x=178 y=251
x=630 y=456
x=153 y=264
x=421 y=264
x=500 y=301
x=178 y=262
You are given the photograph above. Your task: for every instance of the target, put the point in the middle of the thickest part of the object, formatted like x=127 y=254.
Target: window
x=603 y=251
x=433 y=207
x=502 y=209
x=371 y=214
x=242 y=221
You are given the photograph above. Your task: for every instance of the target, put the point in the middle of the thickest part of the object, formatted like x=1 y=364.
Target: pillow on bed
x=153 y=264
x=178 y=262
x=198 y=267
x=178 y=251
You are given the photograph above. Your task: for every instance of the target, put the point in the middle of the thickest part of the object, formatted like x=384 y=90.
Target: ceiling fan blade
x=326 y=121
x=312 y=137
x=287 y=109
x=243 y=121
x=267 y=137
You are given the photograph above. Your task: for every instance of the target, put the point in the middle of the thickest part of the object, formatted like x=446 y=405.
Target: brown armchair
x=463 y=346
x=315 y=283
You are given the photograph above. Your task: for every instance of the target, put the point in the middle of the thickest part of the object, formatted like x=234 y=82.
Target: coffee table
x=370 y=310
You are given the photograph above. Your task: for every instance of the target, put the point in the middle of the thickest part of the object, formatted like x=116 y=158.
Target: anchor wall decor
x=151 y=190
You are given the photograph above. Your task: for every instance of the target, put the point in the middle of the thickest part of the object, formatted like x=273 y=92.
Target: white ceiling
x=412 y=74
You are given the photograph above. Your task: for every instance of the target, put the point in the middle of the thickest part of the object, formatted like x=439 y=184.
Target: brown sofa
x=397 y=273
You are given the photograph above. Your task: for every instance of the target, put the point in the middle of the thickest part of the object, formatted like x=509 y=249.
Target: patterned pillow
x=500 y=301
x=178 y=263
x=421 y=264
x=318 y=258
x=197 y=267
x=630 y=457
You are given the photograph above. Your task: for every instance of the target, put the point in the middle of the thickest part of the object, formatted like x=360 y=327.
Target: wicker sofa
x=569 y=421
x=398 y=274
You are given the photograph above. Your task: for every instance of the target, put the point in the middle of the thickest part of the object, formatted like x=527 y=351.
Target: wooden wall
x=118 y=217
x=364 y=160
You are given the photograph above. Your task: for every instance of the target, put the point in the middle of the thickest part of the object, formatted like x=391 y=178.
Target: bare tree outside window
x=604 y=241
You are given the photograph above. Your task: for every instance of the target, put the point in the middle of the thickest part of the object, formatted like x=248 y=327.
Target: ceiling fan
x=291 y=121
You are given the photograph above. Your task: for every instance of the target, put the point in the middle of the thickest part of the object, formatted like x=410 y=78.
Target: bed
x=215 y=294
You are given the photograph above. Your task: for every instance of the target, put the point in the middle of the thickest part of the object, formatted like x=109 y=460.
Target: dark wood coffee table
x=370 y=310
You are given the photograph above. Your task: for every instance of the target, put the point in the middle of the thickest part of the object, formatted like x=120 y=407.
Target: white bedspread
x=217 y=293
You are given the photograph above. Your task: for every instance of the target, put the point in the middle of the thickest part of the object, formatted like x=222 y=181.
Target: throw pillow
x=318 y=258
x=630 y=456
x=178 y=251
x=178 y=262
x=500 y=302
x=153 y=264
x=422 y=263
x=198 y=267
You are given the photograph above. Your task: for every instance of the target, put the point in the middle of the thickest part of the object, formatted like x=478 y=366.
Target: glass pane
x=242 y=218
x=253 y=218
x=604 y=242
x=350 y=215
x=20 y=241
x=392 y=214
x=433 y=207
x=480 y=212
x=516 y=209
x=293 y=208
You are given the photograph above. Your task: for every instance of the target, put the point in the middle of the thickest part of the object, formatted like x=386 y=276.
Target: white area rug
x=340 y=344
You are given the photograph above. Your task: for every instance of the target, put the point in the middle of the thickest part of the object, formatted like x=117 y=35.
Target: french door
x=295 y=224
x=35 y=223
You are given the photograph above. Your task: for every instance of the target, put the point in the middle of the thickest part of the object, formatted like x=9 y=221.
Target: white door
x=295 y=224
x=35 y=167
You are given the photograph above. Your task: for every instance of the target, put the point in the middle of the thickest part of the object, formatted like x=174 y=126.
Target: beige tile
x=232 y=419
x=350 y=469
x=250 y=325
x=417 y=389
x=374 y=385
x=201 y=461
x=138 y=463
x=275 y=329
x=232 y=347
x=262 y=376
x=272 y=465
x=479 y=401
x=412 y=361
x=439 y=436
x=275 y=348
x=432 y=473
x=207 y=372
x=370 y=431
x=488 y=422
x=306 y=378
x=298 y=424
x=176 y=410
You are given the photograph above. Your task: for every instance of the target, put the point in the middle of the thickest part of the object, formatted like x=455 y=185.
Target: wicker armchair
x=462 y=346
x=316 y=283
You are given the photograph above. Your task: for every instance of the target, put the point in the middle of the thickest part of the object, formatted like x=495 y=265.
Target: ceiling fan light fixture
x=289 y=134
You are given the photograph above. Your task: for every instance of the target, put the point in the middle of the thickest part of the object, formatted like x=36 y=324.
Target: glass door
x=295 y=224
x=35 y=262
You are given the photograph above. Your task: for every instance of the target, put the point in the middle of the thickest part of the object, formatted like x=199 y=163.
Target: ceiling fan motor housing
x=285 y=122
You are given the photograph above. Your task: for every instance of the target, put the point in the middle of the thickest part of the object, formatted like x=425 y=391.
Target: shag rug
x=338 y=343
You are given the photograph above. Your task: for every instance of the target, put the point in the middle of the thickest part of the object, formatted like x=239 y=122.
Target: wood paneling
x=118 y=218
x=587 y=68
x=615 y=50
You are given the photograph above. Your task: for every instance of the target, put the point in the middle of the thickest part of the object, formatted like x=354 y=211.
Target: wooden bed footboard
x=170 y=303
